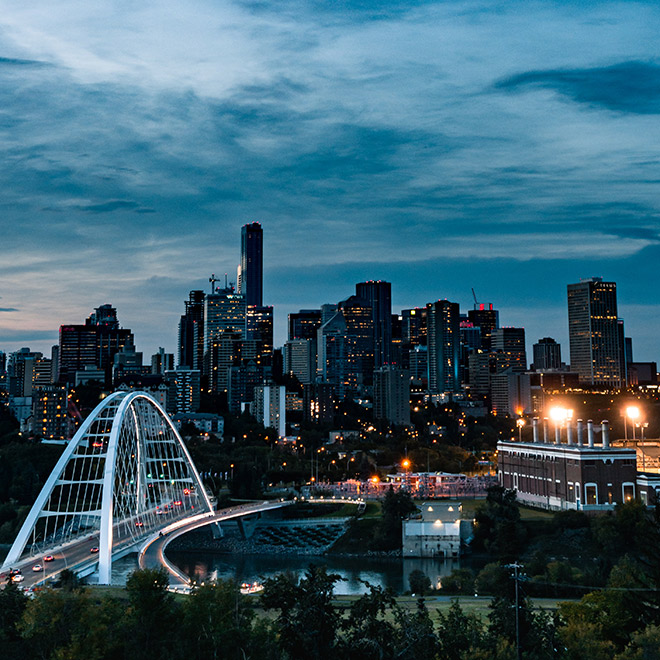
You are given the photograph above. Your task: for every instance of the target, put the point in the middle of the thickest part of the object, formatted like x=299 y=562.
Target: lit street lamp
x=520 y=422
x=632 y=413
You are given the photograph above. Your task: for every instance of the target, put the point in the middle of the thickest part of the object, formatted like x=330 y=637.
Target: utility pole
x=516 y=576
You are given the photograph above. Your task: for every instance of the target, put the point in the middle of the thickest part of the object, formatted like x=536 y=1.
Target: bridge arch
x=124 y=474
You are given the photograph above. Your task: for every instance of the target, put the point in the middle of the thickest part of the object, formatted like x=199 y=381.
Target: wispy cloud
x=631 y=87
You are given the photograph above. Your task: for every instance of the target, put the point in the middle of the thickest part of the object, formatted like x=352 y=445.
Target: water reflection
x=384 y=572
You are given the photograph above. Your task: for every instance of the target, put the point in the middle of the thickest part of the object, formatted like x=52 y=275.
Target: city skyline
x=437 y=146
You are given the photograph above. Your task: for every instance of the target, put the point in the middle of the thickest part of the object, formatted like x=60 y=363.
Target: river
x=354 y=571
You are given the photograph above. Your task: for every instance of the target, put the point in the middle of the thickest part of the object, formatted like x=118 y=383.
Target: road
x=152 y=553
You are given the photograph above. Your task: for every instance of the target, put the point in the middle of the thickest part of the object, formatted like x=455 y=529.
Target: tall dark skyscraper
x=444 y=344
x=379 y=295
x=595 y=333
x=251 y=269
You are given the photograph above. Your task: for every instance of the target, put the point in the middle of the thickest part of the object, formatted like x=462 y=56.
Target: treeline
x=297 y=619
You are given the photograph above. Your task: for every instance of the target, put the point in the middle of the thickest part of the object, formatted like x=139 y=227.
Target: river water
x=354 y=571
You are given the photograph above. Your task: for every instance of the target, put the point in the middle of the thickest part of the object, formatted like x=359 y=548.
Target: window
x=628 y=492
x=591 y=493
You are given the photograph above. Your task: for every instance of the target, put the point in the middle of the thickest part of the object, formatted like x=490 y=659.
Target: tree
x=151 y=615
x=419 y=582
x=414 y=637
x=498 y=529
x=369 y=635
x=12 y=605
x=458 y=632
x=307 y=622
x=218 y=622
x=397 y=505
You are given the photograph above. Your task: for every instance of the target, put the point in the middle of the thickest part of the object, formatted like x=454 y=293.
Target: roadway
x=152 y=553
x=78 y=556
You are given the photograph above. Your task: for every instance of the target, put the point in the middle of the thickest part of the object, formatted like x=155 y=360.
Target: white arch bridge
x=125 y=475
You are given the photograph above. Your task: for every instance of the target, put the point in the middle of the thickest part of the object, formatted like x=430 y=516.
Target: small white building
x=437 y=532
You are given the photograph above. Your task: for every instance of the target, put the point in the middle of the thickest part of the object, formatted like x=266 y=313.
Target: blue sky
x=506 y=146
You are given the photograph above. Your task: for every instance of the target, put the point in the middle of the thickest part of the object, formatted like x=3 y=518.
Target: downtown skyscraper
x=595 y=333
x=251 y=268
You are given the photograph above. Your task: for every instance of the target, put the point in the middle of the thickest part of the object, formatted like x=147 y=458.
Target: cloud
x=13 y=61
x=9 y=309
x=114 y=205
x=629 y=87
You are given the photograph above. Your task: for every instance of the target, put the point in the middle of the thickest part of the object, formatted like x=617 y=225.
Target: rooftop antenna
x=226 y=280
x=474 y=295
x=212 y=280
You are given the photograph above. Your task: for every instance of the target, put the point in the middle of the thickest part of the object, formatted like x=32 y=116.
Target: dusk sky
x=510 y=146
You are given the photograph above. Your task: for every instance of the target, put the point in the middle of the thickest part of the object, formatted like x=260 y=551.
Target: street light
x=520 y=422
x=632 y=413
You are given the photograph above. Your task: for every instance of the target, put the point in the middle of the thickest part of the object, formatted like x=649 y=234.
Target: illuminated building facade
x=378 y=295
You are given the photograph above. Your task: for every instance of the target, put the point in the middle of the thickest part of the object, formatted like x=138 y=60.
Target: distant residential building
x=392 y=395
x=270 y=407
x=596 y=337
x=547 y=354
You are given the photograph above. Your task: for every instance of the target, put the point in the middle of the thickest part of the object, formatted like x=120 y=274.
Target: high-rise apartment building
x=444 y=344
x=547 y=354
x=251 y=268
x=595 y=334
x=378 y=295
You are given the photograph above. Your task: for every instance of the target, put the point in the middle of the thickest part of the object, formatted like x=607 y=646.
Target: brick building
x=570 y=474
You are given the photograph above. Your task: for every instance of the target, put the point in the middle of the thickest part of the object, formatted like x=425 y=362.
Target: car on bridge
x=37 y=567
x=94 y=550
x=49 y=558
